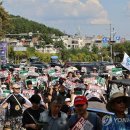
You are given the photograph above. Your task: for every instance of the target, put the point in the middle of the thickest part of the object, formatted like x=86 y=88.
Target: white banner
x=126 y=61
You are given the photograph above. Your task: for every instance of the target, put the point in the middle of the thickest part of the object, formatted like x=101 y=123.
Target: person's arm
x=26 y=106
x=26 y=121
x=5 y=105
x=33 y=126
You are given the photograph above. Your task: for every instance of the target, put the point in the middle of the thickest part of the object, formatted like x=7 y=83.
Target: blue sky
x=89 y=17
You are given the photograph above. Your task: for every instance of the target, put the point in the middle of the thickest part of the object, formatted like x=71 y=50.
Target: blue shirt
x=111 y=122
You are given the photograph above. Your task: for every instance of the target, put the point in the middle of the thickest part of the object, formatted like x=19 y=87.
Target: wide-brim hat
x=114 y=97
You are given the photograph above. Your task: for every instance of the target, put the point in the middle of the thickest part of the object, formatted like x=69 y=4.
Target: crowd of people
x=58 y=98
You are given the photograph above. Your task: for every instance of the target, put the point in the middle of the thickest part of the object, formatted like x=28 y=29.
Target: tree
x=95 y=49
x=59 y=44
x=4 y=22
x=47 y=39
x=64 y=54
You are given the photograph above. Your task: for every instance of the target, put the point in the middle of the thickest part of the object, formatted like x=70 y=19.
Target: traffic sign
x=105 y=40
x=118 y=38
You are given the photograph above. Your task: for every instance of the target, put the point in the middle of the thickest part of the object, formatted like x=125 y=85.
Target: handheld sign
x=81 y=123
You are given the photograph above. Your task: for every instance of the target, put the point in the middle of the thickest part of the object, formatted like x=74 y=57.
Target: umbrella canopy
x=97 y=105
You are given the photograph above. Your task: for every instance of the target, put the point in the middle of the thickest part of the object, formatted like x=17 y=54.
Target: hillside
x=23 y=25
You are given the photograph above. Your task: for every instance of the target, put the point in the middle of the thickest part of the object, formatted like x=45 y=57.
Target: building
x=50 y=49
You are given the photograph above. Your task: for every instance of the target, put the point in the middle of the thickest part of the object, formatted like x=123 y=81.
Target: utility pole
x=110 y=44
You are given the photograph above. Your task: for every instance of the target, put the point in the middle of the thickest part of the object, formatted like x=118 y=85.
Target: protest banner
x=89 y=80
x=28 y=93
x=82 y=123
x=117 y=71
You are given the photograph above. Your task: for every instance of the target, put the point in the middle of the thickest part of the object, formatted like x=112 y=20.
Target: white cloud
x=60 y=11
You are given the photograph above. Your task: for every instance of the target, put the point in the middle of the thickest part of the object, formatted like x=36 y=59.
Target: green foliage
x=64 y=54
x=30 y=51
x=4 y=22
x=47 y=39
x=59 y=44
x=94 y=57
x=22 y=25
x=95 y=49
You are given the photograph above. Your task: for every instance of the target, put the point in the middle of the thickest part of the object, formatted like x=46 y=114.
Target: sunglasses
x=16 y=88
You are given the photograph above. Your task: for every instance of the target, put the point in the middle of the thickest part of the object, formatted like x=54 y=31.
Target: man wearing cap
x=16 y=102
x=119 y=121
x=87 y=120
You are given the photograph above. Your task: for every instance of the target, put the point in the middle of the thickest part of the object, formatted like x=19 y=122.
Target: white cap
x=3 y=86
x=67 y=100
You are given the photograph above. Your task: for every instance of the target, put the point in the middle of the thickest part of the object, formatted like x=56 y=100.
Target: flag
x=126 y=61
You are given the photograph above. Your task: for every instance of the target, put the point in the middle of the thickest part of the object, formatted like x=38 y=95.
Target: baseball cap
x=3 y=86
x=80 y=100
x=67 y=100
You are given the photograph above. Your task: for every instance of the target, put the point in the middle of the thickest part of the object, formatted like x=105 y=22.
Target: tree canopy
x=4 y=22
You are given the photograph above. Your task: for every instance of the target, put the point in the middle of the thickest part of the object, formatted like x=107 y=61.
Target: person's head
x=56 y=87
x=16 y=88
x=70 y=74
x=35 y=100
x=81 y=104
x=56 y=106
x=62 y=88
x=77 y=72
x=17 y=78
x=3 y=87
x=118 y=103
x=29 y=84
x=94 y=69
x=67 y=101
x=3 y=80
